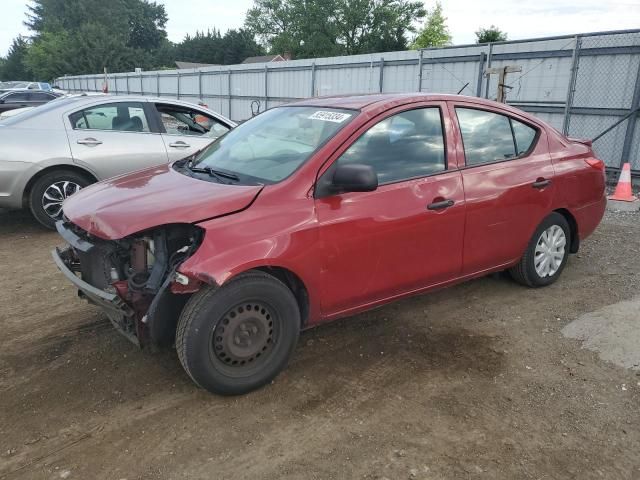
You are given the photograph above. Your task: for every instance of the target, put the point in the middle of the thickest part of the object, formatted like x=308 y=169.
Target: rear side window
x=123 y=117
x=406 y=145
x=524 y=135
x=490 y=137
x=40 y=96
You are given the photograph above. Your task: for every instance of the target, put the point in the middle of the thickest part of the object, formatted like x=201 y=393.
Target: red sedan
x=321 y=209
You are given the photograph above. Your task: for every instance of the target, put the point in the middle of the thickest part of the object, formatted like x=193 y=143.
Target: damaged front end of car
x=134 y=279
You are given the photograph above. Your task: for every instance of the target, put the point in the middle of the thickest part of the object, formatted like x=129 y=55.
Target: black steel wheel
x=236 y=338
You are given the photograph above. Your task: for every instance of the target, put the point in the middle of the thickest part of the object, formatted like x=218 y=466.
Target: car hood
x=123 y=205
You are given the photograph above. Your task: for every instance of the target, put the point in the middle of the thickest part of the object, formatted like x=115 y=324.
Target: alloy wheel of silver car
x=55 y=194
x=550 y=251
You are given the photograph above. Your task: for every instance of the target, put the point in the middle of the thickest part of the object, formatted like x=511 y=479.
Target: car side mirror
x=354 y=177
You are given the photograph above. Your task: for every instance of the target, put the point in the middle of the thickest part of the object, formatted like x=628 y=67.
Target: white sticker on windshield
x=335 y=117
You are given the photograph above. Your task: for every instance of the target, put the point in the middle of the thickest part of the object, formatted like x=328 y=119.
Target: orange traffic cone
x=623 y=192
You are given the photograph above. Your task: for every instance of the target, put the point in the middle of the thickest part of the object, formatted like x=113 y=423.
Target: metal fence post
x=229 y=92
x=575 y=60
x=126 y=76
x=141 y=85
x=381 y=81
x=158 y=83
x=480 y=74
x=200 y=85
x=115 y=84
x=631 y=125
x=178 y=86
x=420 y=70
x=266 y=86
x=313 y=79
x=486 y=87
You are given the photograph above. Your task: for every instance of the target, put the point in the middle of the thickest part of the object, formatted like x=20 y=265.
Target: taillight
x=595 y=163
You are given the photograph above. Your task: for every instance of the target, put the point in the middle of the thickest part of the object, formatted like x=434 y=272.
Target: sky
x=519 y=18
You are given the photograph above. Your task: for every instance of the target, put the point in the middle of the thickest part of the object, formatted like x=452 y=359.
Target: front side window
x=406 y=145
x=272 y=145
x=17 y=97
x=490 y=137
x=123 y=117
x=185 y=121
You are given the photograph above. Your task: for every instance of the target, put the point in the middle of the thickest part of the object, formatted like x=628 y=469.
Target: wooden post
x=502 y=76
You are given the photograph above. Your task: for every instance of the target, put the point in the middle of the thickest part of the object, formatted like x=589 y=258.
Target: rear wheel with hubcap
x=50 y=191
x=546 y=254
x=236 y=338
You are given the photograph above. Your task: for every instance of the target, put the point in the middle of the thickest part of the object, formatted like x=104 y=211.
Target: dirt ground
x=476 y=381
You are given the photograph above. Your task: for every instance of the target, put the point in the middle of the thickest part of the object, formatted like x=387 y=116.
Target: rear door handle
x=440 y=205
x=541 y=183
x=179 y=144
x=89 y=141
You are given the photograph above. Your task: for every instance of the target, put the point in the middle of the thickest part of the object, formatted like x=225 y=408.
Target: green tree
x=333 y=27
x=82 y=36
x=435 y=32
x=201 y=47
x=14 y=66
x=238 y=45
x=212 y=47
x=491 y=34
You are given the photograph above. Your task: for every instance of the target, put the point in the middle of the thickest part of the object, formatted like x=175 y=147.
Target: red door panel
x=384 y=243
x=503 y=205
x=503 y=210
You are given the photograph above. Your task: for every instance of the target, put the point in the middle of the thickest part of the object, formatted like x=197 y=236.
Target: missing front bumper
x=121 y=315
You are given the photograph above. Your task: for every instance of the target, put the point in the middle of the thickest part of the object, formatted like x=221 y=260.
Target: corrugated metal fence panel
x=400 y=78
x=121 y=83
x=289 y=83
x=247 y=83
x=598 y=91
x=169 y=84
x=545 y=80
x=215 y=84
x=150 y=84
x=450 y=77
x=346 y=80
x=609 y=148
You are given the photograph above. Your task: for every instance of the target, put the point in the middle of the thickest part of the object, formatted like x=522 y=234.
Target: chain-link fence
x=606 y=89
x=582 y=84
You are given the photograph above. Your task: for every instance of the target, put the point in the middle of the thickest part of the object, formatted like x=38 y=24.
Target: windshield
x=271 y=146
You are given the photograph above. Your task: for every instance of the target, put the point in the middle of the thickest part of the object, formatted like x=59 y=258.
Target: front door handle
x=441 y=205
x=179 y=144
x=89 y=141
x=541 y=183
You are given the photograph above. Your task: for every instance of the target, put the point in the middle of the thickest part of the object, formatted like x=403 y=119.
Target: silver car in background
x=52 y=151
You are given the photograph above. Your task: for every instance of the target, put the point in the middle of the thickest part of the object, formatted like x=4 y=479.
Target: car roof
x=380 y=100
x=72 y=102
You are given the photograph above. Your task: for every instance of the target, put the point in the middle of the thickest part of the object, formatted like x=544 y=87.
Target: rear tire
x=50 y=190
x=237 y=338
x=546 y=255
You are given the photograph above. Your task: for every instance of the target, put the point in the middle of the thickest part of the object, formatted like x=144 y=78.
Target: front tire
x=50 y=190
x=546 y=255
x=236 y=338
